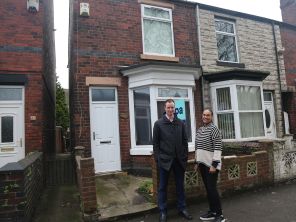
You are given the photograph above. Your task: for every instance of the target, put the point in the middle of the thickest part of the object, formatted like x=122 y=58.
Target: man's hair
x=169 y=101
x=209 y=111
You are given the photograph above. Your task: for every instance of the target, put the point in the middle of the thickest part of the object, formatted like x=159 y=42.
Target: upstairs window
x=226 y=41
x=157 y=31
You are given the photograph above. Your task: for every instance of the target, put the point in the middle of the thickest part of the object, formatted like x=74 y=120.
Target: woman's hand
x=212 y=169
x=196 y=167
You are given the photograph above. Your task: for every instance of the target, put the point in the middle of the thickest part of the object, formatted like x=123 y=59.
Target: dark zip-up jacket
x=170 y=142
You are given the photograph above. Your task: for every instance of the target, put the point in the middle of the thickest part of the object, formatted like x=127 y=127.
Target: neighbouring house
x=127 y=57
x=27 y=79
x=288 y=33
x=243 y=73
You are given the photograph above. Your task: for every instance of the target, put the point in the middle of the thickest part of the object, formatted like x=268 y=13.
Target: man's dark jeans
x=210 y=182
x=163 y=183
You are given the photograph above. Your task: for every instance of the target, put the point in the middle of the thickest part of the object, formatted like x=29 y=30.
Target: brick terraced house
x=127 y=57
x=27 y=78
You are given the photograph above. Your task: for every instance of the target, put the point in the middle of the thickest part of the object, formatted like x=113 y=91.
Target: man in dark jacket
x=170 y=147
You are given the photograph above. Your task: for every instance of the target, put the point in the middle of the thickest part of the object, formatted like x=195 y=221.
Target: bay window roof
x=236 y=74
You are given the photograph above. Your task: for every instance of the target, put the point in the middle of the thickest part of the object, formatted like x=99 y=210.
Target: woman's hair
x=208 y=109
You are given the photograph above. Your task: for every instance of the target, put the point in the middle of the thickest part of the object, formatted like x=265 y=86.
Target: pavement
x=119 y=200
x=59 y=204
x=270 y=204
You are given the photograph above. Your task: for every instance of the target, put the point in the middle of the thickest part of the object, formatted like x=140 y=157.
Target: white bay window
x=150 y=85
x=149 y=106
x=238 y=109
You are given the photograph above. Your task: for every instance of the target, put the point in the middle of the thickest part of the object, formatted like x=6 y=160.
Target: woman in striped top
x=208 y=149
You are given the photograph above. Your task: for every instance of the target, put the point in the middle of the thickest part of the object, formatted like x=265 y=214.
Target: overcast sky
x=264 y=8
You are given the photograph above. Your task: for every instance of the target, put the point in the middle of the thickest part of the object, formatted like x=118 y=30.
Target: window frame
x=21 y=101
x=154 y=98
x=232 y=84
x=143 y=17
x=100 y=102
x=228 y=34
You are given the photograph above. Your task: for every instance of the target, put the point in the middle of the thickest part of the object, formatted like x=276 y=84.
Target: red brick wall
x=87 y=184
x=21 y=33
x=33 y=107
x=264 y=176
x=288 y=8
x=21 y=187
x=109 y=38
x=290 y=106
x=288 y=35
x=27 y=48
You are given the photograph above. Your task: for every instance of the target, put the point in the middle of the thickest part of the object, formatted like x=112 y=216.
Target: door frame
x=19 y=104
x=273 y=119
x=91 y=103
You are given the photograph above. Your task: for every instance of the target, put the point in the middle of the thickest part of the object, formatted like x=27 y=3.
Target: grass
x=146 y=189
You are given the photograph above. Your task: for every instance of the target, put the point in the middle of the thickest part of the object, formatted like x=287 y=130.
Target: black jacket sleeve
x=185 y=139
x=156 y=141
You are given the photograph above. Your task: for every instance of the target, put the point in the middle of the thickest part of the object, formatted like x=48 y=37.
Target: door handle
x=105 y=141
x=94 y=135
x=21 y=142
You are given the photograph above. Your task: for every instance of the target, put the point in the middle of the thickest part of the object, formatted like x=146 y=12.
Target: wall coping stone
x=22 y=164
x=260 y=152
x=229 y=157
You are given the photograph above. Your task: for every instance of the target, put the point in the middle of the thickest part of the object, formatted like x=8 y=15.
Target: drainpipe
x=200 y=55
x=278 y=74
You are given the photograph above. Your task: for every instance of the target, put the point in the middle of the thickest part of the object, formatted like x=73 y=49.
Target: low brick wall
x=284 y=162
x=21 y=186
x=87 y=184
x=239 y=172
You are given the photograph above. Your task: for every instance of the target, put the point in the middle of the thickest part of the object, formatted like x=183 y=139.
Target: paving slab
x=117 y=196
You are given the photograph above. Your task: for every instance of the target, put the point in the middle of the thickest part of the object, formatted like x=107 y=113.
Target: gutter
x=200 y=56
x=278 y=74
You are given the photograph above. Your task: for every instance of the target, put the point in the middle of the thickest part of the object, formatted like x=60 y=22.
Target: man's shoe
x=184 y=213
x=220 y=219
x=162 y=217
x=208 y=216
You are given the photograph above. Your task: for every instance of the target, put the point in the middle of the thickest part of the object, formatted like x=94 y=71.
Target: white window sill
x=7 y=154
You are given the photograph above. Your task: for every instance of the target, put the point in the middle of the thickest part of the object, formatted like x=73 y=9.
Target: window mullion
x=192 y=113
x=214 y=105
x=153 y=103
x=226 y=33
x=263 y=108
x=132 y=119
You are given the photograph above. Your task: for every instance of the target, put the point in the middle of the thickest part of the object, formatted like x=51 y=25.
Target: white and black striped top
x=208 y=146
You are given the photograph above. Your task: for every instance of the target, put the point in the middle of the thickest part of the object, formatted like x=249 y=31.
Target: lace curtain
x=157 y=31
x=251 y=123
x=158 y=37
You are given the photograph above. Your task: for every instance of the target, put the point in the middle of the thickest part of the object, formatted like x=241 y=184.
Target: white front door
x=11 y=125
x=105 y=146
x=269 y=115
